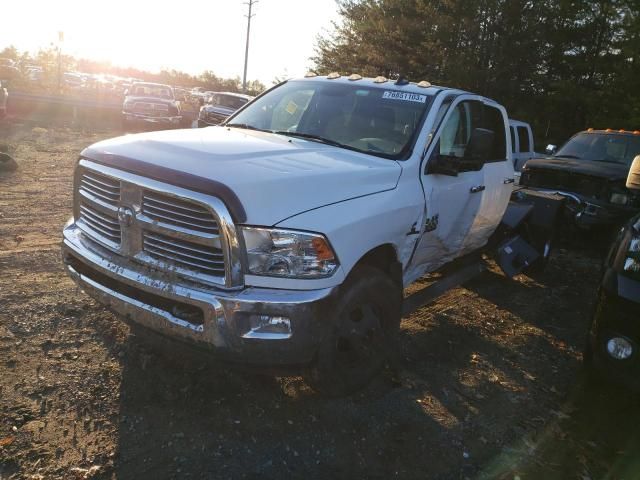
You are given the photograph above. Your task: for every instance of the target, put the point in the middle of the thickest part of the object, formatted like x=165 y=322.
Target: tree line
x=47 y=59
x=561 y=65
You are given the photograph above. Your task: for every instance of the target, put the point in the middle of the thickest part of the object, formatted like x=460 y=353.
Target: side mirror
x=551 y=149
x=633 y=179
x=480 y=145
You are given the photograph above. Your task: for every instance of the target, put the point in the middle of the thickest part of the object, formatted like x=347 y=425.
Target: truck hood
x=606 y=170
x=262 y=177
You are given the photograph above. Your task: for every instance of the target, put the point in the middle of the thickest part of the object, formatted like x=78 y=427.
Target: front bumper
x=587 y=214
x=157 y=301
x=148 y=119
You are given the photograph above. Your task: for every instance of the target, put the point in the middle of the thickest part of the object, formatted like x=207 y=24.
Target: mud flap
x=515 y=255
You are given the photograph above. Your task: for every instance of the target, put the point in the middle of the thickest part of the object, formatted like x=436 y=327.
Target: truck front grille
x=154 y=224
x=564 y=181
x=184 y=254
x=178 y=212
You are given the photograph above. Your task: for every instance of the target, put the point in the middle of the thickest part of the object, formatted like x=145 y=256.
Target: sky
x=187 y=35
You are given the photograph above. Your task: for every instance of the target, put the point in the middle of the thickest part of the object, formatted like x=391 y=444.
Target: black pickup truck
x=590 y=171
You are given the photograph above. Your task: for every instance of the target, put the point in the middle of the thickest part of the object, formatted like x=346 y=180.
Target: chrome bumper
x=144 y=297
x=141 y=117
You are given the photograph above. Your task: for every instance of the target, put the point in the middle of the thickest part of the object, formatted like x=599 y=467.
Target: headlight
x=287 y=253
x=619 y=198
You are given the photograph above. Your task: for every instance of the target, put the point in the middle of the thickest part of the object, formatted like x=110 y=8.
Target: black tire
x=364 y=326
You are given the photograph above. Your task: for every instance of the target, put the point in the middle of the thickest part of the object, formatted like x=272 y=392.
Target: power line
x=251 y=3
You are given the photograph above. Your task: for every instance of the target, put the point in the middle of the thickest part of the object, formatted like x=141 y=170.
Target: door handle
x=477 y=188
x=509 y=180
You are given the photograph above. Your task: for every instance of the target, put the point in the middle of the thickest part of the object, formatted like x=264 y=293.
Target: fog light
x=619 y=348
x=268 y=327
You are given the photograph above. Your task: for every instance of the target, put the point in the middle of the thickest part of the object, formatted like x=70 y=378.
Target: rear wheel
x=366 y=319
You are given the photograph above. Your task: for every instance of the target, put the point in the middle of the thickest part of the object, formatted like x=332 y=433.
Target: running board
x=431 y=292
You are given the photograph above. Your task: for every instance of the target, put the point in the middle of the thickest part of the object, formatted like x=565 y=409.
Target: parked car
x=288 y=236
x=590 y=170
x=613 y=348
x=150 y=104
x=220 y=106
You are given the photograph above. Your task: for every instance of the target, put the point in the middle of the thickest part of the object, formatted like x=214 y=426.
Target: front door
x=463 y=210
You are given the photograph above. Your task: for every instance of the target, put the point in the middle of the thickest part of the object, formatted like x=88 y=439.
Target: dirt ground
x=488 y=385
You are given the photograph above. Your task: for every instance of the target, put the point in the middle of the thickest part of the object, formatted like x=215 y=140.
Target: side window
x=485 y=124
x=493 y=120
x=513 y=139
x=523 y=137
x=456 y=131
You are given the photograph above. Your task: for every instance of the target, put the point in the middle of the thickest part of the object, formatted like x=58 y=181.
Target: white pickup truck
x=286 y=235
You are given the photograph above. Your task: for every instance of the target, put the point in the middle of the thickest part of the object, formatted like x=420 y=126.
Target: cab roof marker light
x=380 y=79
x=310 y=75
x=424 y=84
x=622 y=131
x=636 y=132
x=589 y=130
x=333 y=76
x=608 y=130
x=354 y=76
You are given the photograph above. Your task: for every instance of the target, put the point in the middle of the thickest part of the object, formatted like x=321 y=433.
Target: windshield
x=604 y=147
x=378 y=121
x=228 y=101
x=149 y=90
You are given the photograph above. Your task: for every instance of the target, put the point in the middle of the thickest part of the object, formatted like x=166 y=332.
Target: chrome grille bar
x=96 y=223
x=182 y=253
x=175 y=211
x=103 y=188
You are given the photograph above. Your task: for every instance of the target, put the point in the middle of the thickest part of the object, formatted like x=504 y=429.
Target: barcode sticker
x=404 y=96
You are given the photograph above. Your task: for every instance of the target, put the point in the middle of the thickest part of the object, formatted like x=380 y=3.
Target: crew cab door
x=460 y=214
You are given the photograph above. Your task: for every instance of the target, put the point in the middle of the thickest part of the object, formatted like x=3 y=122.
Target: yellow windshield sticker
x=291 y=107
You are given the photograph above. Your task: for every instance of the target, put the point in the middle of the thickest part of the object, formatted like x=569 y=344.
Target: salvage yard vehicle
x=150 y=104
x=285 y=236
x=613 y=347
x=220 y=106
x=590 y=171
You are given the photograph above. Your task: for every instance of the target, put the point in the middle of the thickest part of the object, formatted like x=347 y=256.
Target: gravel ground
x=488 y=382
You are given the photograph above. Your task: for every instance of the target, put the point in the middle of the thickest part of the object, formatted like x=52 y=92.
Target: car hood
x=262 y=177
x=606 y=170
x=218 y=109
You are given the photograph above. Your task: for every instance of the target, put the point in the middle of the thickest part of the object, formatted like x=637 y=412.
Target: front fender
x=357 y=226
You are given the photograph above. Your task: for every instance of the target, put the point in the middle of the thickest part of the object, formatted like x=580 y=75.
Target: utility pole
x=251 y=3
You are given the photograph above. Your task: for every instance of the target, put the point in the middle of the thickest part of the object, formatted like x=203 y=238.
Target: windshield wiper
x=246 y=126
x=311 y=136
x=567 y=156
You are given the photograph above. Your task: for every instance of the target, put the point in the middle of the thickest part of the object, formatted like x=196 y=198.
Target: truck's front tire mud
x=364 y=325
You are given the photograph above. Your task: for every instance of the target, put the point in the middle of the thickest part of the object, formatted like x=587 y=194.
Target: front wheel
x=366 y=319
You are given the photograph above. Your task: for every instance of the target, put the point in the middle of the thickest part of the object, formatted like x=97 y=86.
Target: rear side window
x=513 y=139
x=523 y=137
